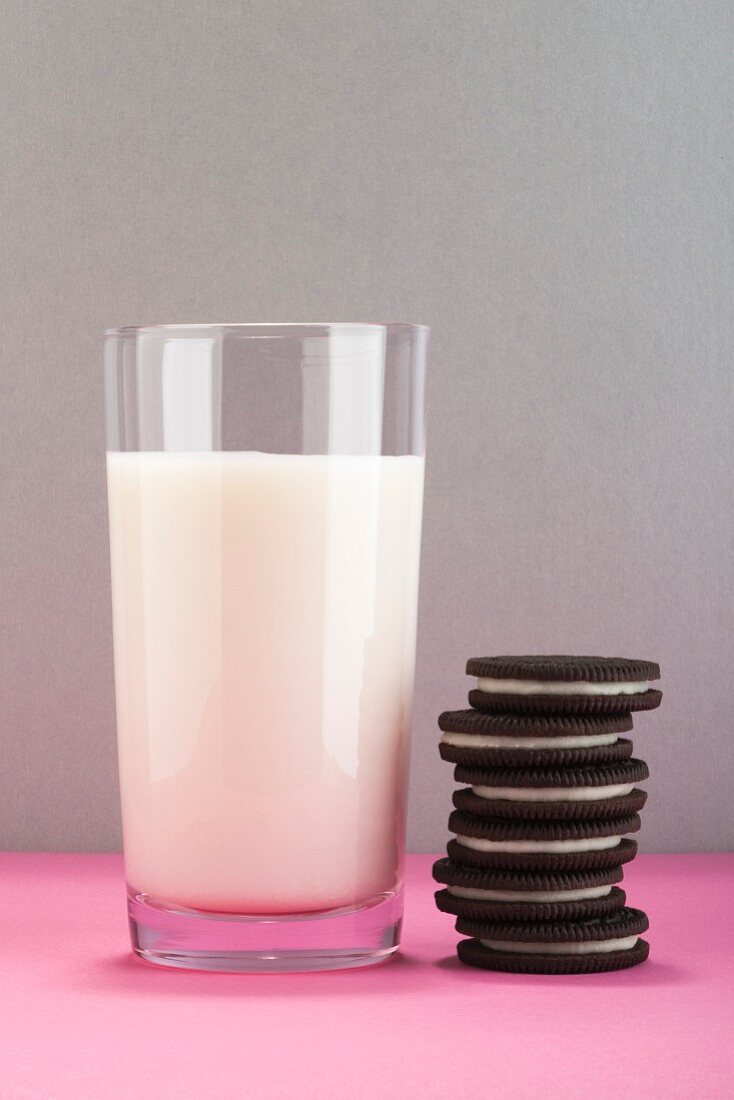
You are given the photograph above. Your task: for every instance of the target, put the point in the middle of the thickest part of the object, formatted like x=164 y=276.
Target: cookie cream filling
x=494 y=686
x=554 y=794
x=485 y=741
x=475 y=894
x=587 y=844
x=589 y=947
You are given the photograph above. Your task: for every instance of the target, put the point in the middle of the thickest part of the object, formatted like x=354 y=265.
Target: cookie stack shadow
x=543 y=818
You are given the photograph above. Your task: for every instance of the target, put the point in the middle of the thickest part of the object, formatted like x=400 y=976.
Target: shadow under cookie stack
x=541 y=826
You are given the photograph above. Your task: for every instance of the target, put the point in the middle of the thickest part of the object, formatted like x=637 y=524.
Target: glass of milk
x=265 y=488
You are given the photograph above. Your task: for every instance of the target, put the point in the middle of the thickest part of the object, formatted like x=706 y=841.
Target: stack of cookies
x=541 y=827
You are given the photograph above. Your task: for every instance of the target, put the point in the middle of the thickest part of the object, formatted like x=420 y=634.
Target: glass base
x=334 y=939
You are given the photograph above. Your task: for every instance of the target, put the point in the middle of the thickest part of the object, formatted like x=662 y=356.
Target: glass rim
x=263 y=330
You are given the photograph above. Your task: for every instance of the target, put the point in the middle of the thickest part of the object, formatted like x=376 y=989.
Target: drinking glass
x=265 y=488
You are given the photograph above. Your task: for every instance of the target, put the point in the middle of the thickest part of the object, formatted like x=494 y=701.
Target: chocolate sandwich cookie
x=609 y=942
x=533 y=740
x=531 y=845
x=508 y=896
x=604 y=791
x=563 y=685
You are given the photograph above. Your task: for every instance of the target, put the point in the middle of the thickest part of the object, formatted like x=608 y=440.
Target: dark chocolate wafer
x=470 y=802
x=626 y=772
x=479 y=909
x=451 y=874
x=623 y=852
x=565 y=704
x=550 y=792
x=510 y=740
x=564 y=668
x=502 y=896
x=541 y=845
x=621 y=749
x=559 y=684
x=474 y=953
x=601 y=943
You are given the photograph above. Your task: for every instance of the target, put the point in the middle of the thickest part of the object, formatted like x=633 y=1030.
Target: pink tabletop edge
x=80 y=1017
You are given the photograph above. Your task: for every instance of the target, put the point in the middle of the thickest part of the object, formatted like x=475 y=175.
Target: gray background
x=544 y=182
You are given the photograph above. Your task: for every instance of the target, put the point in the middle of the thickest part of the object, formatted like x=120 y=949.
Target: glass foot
x=334 y=939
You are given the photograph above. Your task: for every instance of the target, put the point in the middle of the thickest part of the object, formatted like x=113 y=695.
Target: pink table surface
x=81 y=1017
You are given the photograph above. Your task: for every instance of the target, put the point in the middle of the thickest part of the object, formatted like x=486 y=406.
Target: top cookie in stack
x=563 y=685
x=540 y=827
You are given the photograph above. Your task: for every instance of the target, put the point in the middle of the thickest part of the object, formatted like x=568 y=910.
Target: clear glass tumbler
x=265 y=488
